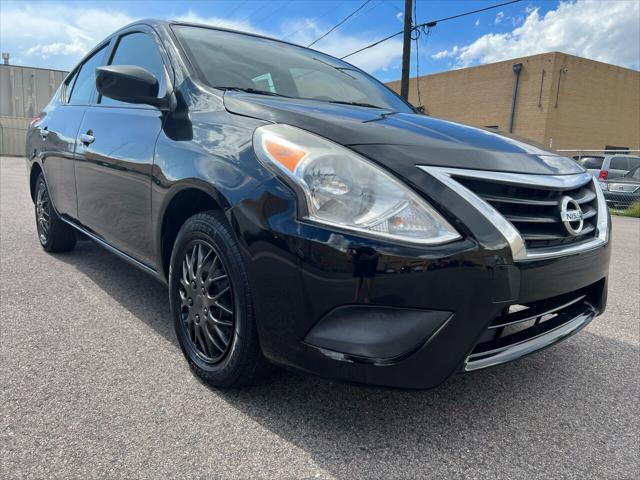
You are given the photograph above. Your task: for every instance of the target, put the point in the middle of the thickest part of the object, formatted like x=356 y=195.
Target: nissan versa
x=304 y=215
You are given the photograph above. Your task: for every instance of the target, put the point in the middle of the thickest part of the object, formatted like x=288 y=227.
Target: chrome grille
x=535 y=211
x=528 y=198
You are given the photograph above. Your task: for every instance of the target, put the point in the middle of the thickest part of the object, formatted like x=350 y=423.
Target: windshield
x=258 y=65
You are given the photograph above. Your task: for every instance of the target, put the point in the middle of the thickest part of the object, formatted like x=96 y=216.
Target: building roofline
x=553 y=54
x=34 y=68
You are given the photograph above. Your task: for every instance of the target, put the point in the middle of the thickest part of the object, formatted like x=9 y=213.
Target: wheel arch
x=36 y=170
x=185 y=201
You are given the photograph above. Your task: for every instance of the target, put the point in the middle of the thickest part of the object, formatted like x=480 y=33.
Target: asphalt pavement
x=93 y=385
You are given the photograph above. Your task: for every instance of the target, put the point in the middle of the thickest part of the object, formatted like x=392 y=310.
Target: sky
x=56 y=34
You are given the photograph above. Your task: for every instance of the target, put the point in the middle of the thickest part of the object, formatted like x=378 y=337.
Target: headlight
x=341 y=188
x=603 y=186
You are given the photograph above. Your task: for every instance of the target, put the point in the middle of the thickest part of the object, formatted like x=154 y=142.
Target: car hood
x=402 y=140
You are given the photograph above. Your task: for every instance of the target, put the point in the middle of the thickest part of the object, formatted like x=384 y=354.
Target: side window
x=619 y=163
x=85 y=81
x=138 y=49
x=634 y=162
x=68 y=86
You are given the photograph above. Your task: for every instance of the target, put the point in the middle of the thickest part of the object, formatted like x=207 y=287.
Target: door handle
x=87 y=138
x=44 y=133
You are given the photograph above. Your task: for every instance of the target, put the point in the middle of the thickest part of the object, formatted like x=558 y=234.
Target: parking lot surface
x=94 y=385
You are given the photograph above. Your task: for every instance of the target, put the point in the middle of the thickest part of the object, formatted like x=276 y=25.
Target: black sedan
x=303 y=214
x=623 y=192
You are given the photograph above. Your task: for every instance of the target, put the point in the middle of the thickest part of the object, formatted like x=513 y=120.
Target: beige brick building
x=563 y=101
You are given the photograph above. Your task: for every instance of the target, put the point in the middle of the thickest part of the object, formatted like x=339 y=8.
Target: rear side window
x=69 y=86
x=592 y=162
x=634 y=162
x=619 y=163
x=84 y=82
x=138 y=49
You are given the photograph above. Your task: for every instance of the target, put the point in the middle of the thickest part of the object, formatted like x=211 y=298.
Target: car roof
x=154 y=22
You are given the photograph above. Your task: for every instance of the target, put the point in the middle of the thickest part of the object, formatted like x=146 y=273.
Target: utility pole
x=406 y=49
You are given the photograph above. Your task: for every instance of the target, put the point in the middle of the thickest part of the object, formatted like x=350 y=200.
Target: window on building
x=613 y=149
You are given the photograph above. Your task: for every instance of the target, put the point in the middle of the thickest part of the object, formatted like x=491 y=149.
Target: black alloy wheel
x=54 y=234
x=211 y=304
x=206 y=299
x=43 y=213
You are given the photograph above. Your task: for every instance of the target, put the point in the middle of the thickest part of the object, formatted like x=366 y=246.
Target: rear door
x=114 y=167
x=58 y=130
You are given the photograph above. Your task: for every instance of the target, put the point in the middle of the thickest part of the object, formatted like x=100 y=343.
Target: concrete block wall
x=564 y=101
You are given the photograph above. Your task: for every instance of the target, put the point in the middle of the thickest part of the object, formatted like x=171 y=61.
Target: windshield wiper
x=253 y=90
x=356 y=104
x=274 y=94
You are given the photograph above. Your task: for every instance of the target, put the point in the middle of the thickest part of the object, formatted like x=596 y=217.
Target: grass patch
x=632 y=211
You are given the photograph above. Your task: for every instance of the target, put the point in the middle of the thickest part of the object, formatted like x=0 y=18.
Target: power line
x=430 y=24
x=263 y=19
x=307 y=25
x=341 y=22
x=238 y=22
x=392 y=5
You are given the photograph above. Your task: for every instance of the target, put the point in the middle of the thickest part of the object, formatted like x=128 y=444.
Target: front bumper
x=325 y=300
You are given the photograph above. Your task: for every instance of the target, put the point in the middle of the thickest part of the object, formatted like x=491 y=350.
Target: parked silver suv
x=608 y=167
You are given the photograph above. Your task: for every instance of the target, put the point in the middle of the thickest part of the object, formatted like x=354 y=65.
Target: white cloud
x=477 y=24
x=60 y=38
x=400 y=16
x=240 y=25
x=446 y=53
x=515 y=21
x=582 y=28
x=63 y=34
x=499 y=17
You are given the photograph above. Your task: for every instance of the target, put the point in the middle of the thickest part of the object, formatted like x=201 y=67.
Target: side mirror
x=128 y=83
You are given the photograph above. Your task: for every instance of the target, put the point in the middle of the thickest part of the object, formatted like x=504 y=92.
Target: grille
x=520 y=326
x=535 y=212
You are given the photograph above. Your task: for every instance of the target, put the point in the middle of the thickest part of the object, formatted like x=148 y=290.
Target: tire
x=207 y=280
x=54 y=234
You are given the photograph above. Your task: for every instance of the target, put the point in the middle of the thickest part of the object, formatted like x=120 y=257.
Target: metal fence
x=24 y=92
x=13 y=135
x=622 y=187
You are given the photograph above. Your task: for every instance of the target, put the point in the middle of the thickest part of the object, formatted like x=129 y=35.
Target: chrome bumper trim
x=531 y=345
